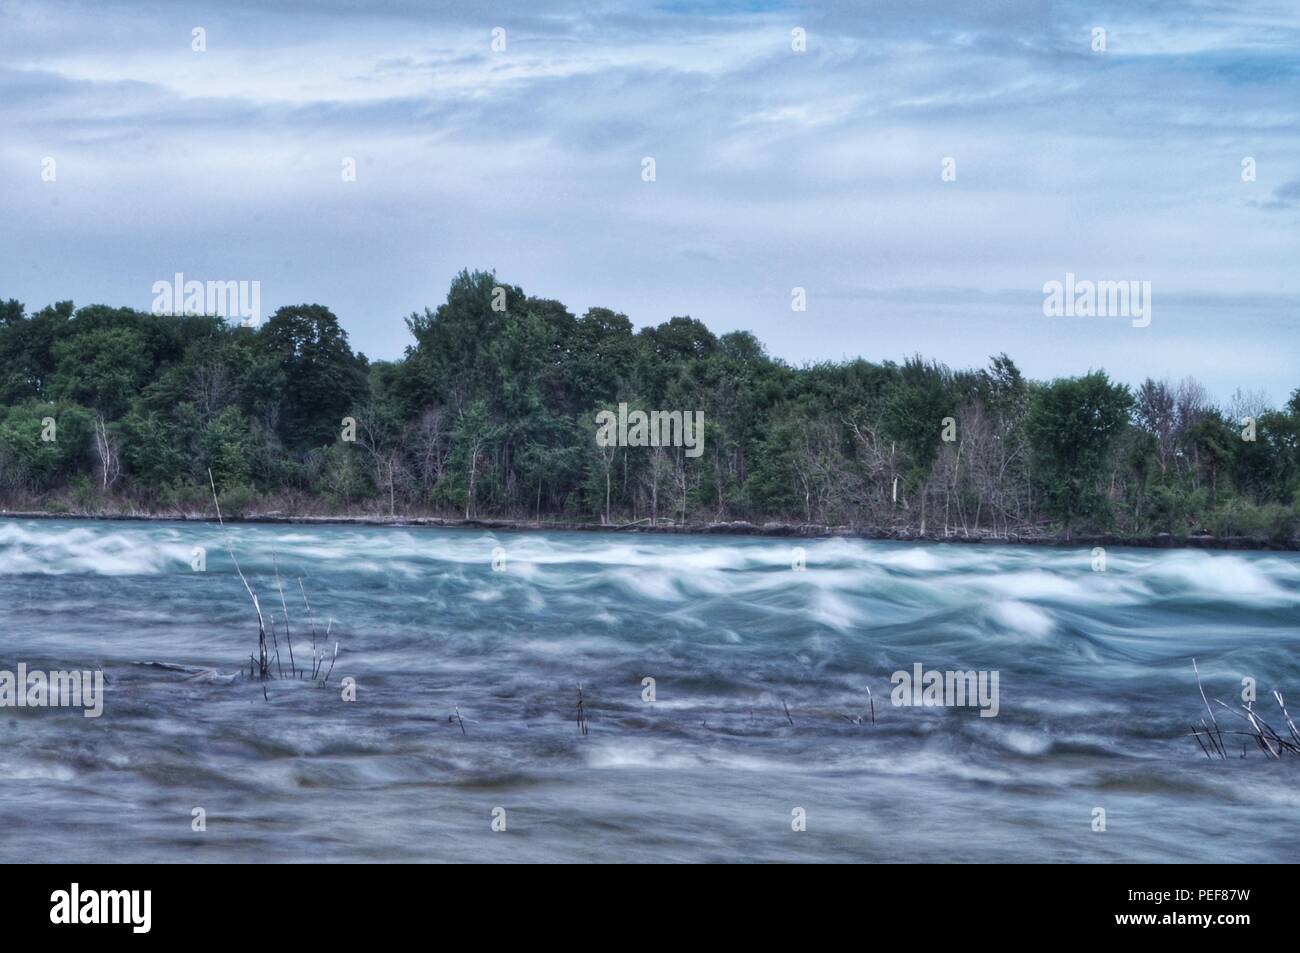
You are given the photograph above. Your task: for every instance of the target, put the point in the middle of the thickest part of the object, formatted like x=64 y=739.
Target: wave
x=884 y=593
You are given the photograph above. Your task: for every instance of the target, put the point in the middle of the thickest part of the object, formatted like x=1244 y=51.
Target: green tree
x=103 y=368
x=1072 y=425
x=27 y=351
x=154 y=450
x=229 y=448
x=322 y=378
x=45 y=444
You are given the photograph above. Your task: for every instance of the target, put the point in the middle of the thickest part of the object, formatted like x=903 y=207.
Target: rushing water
x=1097 y=698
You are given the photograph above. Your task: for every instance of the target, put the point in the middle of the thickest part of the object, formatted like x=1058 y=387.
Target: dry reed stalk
x=264 y=660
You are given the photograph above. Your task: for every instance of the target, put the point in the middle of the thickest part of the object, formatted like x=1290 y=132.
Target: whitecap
x=1023 y=618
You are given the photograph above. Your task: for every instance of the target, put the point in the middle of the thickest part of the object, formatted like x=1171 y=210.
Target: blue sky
x=774 y=169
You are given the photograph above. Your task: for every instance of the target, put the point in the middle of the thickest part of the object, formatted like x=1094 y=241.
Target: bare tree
x=476 y=437
x=818 y=468
x=1156 y=412
x=681 y=479
x=108 y=448
x=211 y=390
x=606 y=456
x=381 y=439
x=429 y=445
x=659 y=471
x=878 y=460
x=1250 y=403
x=1193 y=404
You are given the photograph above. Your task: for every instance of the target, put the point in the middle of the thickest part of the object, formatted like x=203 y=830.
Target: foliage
x=491 y=411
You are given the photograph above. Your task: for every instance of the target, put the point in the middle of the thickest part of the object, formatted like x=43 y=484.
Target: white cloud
x=774 y=168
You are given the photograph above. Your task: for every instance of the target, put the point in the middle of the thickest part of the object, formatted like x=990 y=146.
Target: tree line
x=492 y=412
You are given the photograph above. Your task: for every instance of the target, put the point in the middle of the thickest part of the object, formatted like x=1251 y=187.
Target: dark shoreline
x=734 y=528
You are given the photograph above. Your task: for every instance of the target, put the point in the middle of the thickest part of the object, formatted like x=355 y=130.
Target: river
x=466 y=650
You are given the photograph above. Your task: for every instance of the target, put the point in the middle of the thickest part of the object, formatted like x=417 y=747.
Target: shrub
x=1267 y=521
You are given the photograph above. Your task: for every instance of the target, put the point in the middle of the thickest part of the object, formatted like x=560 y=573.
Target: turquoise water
x=1097 y=698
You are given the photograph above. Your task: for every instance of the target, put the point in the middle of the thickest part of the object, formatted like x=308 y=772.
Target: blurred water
x=1097 y=699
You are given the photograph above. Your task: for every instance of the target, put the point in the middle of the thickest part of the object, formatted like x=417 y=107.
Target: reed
x=582 y=712
x=260 y=667
x=275 y=561
x=1267 y=738
x=855 y=719
x=264 y=668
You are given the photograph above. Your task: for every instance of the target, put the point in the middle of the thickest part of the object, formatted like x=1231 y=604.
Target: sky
x=775 y=169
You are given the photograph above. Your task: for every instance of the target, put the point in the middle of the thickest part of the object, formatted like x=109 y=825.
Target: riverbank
x=730 y=528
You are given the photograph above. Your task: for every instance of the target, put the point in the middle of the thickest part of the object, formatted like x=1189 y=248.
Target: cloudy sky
x=774 y=169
